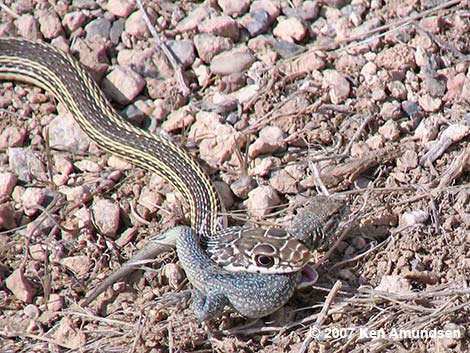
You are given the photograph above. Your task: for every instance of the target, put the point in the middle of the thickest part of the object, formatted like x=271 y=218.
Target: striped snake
x=235 y=249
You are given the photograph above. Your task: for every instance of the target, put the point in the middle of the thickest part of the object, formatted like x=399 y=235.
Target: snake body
x=278 y=257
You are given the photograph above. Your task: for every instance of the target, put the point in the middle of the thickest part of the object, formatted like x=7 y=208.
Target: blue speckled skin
x=251 y=294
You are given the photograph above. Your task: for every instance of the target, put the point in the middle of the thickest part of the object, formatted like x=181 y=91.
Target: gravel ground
x=278 y=100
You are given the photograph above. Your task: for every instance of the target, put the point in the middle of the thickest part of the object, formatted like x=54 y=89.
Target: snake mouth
x=308 y=278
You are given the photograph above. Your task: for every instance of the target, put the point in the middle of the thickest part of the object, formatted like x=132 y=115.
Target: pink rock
x=28 y=27
x=261 y=201
x=390 y=130
x=63 y=165
x=120 y=8
x=194 y=18
x=394 y=284
x=80 y=264
x=69 y=335
x=74 y=20
x=38 y=252
x=66 y=134
x=339 y=86
x=20 y=286
x=25 y=164
x=135 y=24
x=12 y=136
x=234 y=8
x=79 y=193
x=107 y=216
x=290 y=29
x=221 y=26
x=283 y=182
x=271 y=139
x=243 y=186
x=123 y=84
x=399 y=57
x=33 y=197
x=93 y=55
x=271 y=7
x=429 y=103
x=119 y=164
x=229 y=63
x=209 y=45
x=49 y=23
x=150 y=199
x=7 y=183
x=217 y=140
x=55 y=302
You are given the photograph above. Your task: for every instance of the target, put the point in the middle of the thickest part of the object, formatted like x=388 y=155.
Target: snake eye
x=264 y=261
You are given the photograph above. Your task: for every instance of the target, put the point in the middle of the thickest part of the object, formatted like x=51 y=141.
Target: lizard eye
x=264 y=261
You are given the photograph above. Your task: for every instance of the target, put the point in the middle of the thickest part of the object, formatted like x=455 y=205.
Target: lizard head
x=255 y=250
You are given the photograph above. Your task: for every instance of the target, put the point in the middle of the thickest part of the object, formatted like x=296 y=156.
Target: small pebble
x=256 y=22
x=184 y=51
x=79 y=193
x=271 y=139
x=135 y=24
x=243 y=186
x=33 y=197
x=262 y=201
x=66 y=134
x=412 y=218
x=49 y=23
x=55 y=303
x=107 y=216
x=7 y=183
x=209 y=45
x=20 y=286
x=79 y=265
x=31 y=311
x=221 y=26
x=234 y=8
x=7 y=217
x=290 y=29
x=394 y=284
x=123 y=84
x=390 y=130
x=120 y=8
x=229 y=63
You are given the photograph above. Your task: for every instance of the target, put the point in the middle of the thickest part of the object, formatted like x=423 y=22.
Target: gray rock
x=116 y=30
x=98 y=28
x=184 y=51
x=256 y=22
x=287 y=49
x=26 y=165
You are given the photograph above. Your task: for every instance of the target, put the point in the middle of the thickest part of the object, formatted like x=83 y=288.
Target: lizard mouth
x=308 y=278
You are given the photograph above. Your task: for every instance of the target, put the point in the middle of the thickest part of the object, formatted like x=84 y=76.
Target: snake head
x=255 y=250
